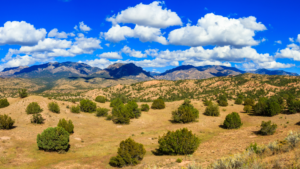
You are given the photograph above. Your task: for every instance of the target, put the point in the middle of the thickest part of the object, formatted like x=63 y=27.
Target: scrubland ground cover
x=96 y=140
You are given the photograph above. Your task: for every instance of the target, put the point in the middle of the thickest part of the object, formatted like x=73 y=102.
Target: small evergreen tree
x=186 y=113
x=120 y=115
x=67 y=125
x=133 y=110
x=267 y=128
x=3 y=103
x=54 y=107
x=212 y=110
x=145 y=107
x=116 y=102
x=158 y=104
x=53 y=139
x=232 y=121
x=33 y=108
x=129 y=153
x=75 y=109
x=101 y=112
x=223 y=100
x=179 y=142
x=238 y=101
x=247 y=108
x=249 y=101
x=6 y=122
x=23 y=93
x=87 y=105
x=207 y=102
x=37 y=119
x=100 y=99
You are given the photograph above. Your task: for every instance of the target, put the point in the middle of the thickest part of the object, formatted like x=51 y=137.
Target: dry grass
x=96 y=140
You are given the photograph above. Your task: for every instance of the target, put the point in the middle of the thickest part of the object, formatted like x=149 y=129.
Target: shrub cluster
x=23 y=93
x=101 y=112
x=75 y=109
x=54 y=107
x=6 y=122
x=87 y=105
x=186 y=113
x=232 y=121
x=53 y=139
x=67 y=125
x=121 y=114
x=179 y=142
x=293 y=104
x=212 y=110
x=238 y=101
x=33 y=108
x=3 y=103
x=129 y=153
x=37 y=119
x=267 y=128
x=100 y=99
x=223 y=100
x=158 y=104
x=267 y=107
x=145 y=107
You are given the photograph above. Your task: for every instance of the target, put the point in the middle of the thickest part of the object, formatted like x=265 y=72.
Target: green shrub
x=23 y=93
x=232 y=121
x=37 y=119
x=186 y=113
x=249 y=101
x=67 y=125
x=33 y=108
x=87 y=105
x=158 y=104
x=109 y=117
x=6 y=122
x=179 y=160
x=267 y=128
x=100 y=99
x=223 y=100
x=145 y=107
x=133 y=110
x=267 y=107
x=101 y=112
x=212 y=110
x=120 y=115
x=53 y=139
x=207 y=102
x=238 y=101
x=293 y=106
x=116 y=102
x=3 y=103
x=75 y=109
x=247 y=108
x=129 y=153
x=54 y=107
x=179 y=142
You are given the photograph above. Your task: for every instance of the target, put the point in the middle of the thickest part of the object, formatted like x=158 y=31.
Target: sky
x=156 y=35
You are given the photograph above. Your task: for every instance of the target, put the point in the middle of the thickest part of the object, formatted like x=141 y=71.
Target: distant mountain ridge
x=127 y=71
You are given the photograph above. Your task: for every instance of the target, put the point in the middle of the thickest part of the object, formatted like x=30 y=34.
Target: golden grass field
x=95 y=140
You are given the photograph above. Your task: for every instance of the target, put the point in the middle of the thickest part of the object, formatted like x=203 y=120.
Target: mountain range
x=128 y=71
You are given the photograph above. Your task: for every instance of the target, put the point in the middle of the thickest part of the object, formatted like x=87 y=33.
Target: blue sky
x=156 y=35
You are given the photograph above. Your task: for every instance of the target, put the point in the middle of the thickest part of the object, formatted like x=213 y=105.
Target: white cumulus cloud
x=111 y=55
x=291 y=51
x=132 y=52
x=151 y=15
x=145 y=34
x=101 y=63
x=84 y=27
x=61 y=35
x=20 y=33
x=218 y=30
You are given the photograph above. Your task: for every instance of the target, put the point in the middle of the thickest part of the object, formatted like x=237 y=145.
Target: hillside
x=248 y=84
